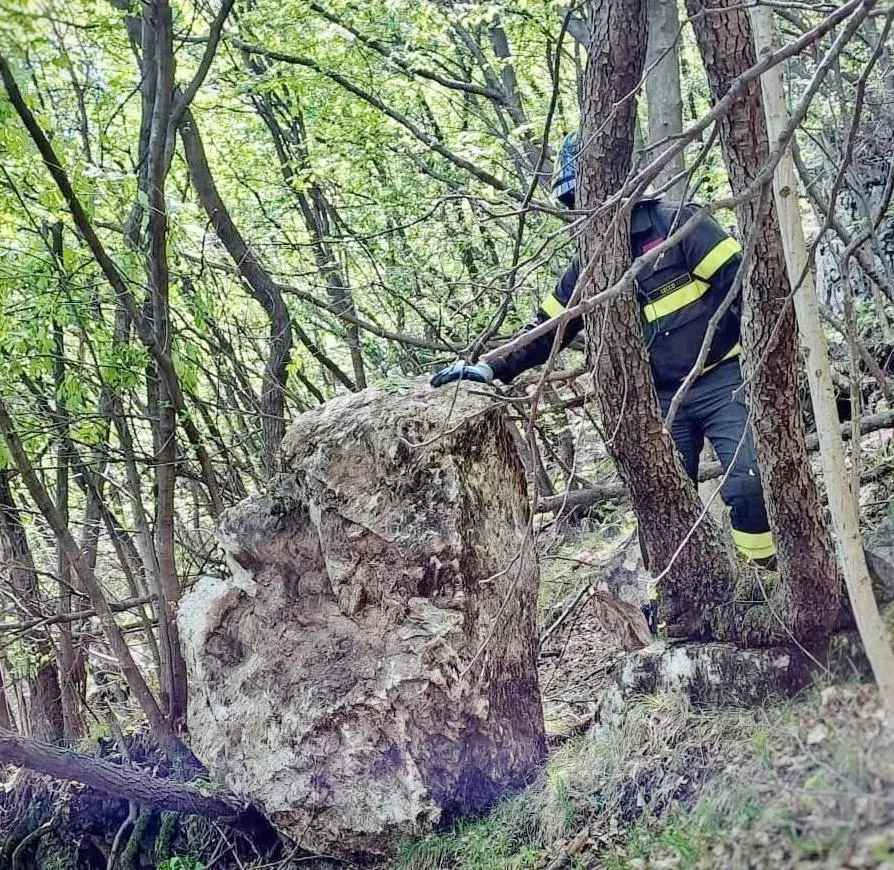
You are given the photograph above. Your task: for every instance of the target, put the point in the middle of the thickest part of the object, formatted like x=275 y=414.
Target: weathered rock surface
x=721 y=675
x=368 y=670
x=710 y=674
x=625 y=575
x=579 y=653
x=878 y=545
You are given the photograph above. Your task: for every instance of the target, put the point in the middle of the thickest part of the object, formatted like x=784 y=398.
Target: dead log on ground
x=111 y=779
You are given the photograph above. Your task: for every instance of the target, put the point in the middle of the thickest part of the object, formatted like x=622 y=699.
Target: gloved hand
x=481 y=372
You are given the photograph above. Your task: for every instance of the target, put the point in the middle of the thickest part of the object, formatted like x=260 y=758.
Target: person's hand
x=482 y=373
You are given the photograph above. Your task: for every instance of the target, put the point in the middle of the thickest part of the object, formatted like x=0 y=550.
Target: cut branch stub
x=368 y=670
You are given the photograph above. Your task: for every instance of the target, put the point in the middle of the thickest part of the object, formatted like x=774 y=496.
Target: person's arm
x=507 y=367
x=537 y=352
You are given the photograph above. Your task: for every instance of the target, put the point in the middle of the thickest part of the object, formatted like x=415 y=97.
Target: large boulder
x=368 y=668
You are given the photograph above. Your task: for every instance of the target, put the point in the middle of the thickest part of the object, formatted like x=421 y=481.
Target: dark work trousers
x=710 y=411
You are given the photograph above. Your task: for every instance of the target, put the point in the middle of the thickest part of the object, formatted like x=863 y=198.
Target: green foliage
x=97 y=731
x=485 y=844
x=427 y=249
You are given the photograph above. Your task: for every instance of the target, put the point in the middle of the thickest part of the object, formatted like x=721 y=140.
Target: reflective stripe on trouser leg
x=748 y=517
x=754 y=545
x=725 y=420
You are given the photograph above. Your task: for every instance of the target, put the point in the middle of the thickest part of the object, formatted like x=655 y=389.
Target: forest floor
x=802 y=783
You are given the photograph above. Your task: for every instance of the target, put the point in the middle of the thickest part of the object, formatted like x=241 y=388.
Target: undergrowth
x=808 y=785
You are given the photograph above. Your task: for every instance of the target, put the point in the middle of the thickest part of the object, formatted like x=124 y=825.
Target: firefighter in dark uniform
x=678 y=294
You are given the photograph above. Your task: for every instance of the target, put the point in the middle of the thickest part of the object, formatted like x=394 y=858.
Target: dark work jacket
x=678 y=293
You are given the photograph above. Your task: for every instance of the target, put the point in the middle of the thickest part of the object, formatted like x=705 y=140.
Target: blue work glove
x=482 y=373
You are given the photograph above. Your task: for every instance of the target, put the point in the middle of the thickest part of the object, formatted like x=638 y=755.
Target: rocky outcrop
x=368 y=669
x=711 y=675
x=878 y=545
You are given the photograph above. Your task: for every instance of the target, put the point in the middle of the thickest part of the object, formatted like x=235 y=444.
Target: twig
x=36 y=834
x=589 y=591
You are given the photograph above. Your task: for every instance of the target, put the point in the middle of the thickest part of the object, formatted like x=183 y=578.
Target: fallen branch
x=110 y=779
x=615 y=489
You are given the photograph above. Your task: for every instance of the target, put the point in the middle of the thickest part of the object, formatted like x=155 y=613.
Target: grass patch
x=484 y=844
x=673 y=787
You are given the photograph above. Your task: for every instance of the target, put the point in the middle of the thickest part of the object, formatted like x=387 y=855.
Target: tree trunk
x=6 y=723
x=698 y=587
x=290 y=141
x=663 y=89
x=67 y=656
x=45 y=719
x=165 y=424
x=263 y=288
x=805 y=599
x=842 y=505
x=711 y=471
x=159 y=725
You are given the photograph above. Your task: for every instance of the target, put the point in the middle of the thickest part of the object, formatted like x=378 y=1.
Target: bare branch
x=184 y=100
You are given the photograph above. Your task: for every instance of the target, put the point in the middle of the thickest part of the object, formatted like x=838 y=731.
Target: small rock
x=817 y=734
x=830 y=697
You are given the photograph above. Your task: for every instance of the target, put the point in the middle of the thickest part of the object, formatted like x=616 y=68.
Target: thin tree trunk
x=806 y=598
x=263 y=288
x=174 y=678
x=66 y=657
x=6 y=723
x=160 y=727
x=45 y=717
x=290 y=142
x=663 y=89
x=819 y=376
x=697 y=591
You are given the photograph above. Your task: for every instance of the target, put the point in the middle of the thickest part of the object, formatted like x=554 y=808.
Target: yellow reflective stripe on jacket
x=716 y=257
x=735 y=350
x=674 y=301
x=754 y=545
x=551 y=306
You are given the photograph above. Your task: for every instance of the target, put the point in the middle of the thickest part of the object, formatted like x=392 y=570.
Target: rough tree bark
x=698 y=588
x=663 y=89
x=805 y=599
x=842 y=504
x=45 y=715
x=709 y=471
x=110 y=779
